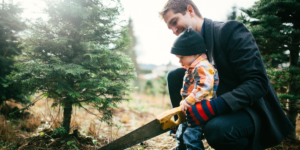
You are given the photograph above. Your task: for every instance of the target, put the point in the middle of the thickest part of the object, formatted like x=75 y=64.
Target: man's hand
x=184 y=106
x=200 y=112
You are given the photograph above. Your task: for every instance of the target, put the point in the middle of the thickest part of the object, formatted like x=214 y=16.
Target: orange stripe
x=190 y=89
x=210 y=108
x=202 y=75
x=201 y=112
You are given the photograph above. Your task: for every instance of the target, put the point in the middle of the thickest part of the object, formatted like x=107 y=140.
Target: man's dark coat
x=243 y=80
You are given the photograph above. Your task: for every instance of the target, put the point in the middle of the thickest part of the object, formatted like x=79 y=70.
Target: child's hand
x=184 y=106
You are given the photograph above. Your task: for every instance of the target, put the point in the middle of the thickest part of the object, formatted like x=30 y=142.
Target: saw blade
x=139 y=135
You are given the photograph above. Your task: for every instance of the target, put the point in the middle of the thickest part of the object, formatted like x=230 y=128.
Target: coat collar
x=198 y=60
x=209 y=38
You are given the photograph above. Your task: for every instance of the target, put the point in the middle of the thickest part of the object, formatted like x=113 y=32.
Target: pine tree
x=276 y=28
x=10 y=26
x=149 y=88
x=162 y=81
x=130 y=51
x=232 y=15
x=76 y=57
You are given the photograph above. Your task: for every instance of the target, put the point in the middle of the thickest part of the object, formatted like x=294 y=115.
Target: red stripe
x=193 y=116
x=201 y=112
x=210 y=108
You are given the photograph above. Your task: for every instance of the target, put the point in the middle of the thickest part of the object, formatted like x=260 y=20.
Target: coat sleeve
x=244 y=57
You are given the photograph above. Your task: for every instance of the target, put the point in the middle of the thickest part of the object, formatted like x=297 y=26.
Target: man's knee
x=230 y=131
x=217 y=133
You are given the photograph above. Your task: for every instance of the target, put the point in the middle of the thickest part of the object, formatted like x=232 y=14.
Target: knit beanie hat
x=190 y=42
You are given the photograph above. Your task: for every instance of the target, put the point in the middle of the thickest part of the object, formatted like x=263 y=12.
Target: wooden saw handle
x=165 y=118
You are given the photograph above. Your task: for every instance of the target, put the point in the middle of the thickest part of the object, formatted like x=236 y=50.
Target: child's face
x=186 y=61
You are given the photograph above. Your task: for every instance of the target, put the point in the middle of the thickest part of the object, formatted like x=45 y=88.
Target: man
x=247 y=113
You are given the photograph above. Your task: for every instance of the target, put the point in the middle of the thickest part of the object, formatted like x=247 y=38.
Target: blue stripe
x=206 y=109
x=213 y=106
x=196 y=114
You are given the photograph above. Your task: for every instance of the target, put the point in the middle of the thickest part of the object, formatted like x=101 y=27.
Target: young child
x=200 y=83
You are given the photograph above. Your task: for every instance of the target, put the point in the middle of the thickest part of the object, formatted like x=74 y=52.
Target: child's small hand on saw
x=184 y=106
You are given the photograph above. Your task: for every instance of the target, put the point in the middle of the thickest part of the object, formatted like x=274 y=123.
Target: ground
x=87 y=132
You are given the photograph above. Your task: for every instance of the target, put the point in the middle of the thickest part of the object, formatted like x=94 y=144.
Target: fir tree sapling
x=232 y=15
x=130 y=51
x=76 y=58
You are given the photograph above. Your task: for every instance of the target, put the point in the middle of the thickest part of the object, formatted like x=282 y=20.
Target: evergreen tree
x=276 y=28
x=163 y=89
x=76 y=57
x=149 y=88
x=232 y=15
x=10 y=26
x=130 y=51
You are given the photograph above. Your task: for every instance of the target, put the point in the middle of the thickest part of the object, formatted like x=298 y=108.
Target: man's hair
x=179 y=6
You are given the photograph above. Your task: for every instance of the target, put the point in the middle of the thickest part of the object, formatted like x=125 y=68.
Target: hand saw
x=161 y=124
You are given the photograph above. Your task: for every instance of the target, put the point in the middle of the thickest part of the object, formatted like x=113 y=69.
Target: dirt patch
x=291 y=144
x=287 y=144
x=75 y=141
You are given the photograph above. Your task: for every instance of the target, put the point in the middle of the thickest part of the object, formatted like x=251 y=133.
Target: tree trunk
x=67 y=115
x=292 y=111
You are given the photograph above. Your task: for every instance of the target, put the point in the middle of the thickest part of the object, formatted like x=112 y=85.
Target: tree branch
x=6 y=51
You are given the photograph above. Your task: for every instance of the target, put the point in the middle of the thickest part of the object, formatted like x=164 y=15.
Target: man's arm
x=244 y=57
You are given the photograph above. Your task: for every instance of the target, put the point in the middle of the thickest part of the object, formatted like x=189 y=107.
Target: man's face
x=177 y=22
x=186 y=61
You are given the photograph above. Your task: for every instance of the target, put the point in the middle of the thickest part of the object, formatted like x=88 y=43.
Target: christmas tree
x=130 y=51
x=76 y=58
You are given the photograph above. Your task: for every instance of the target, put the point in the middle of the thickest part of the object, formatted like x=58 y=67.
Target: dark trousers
x=232 y=131
x=189 y=138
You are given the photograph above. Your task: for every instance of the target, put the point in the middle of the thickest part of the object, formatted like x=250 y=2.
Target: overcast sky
x=154 y=39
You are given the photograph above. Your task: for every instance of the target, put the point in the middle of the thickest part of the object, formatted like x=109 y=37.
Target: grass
x=129 y=116
x=6 y=130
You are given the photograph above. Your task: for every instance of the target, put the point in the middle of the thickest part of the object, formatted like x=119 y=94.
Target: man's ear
x=190 y=10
